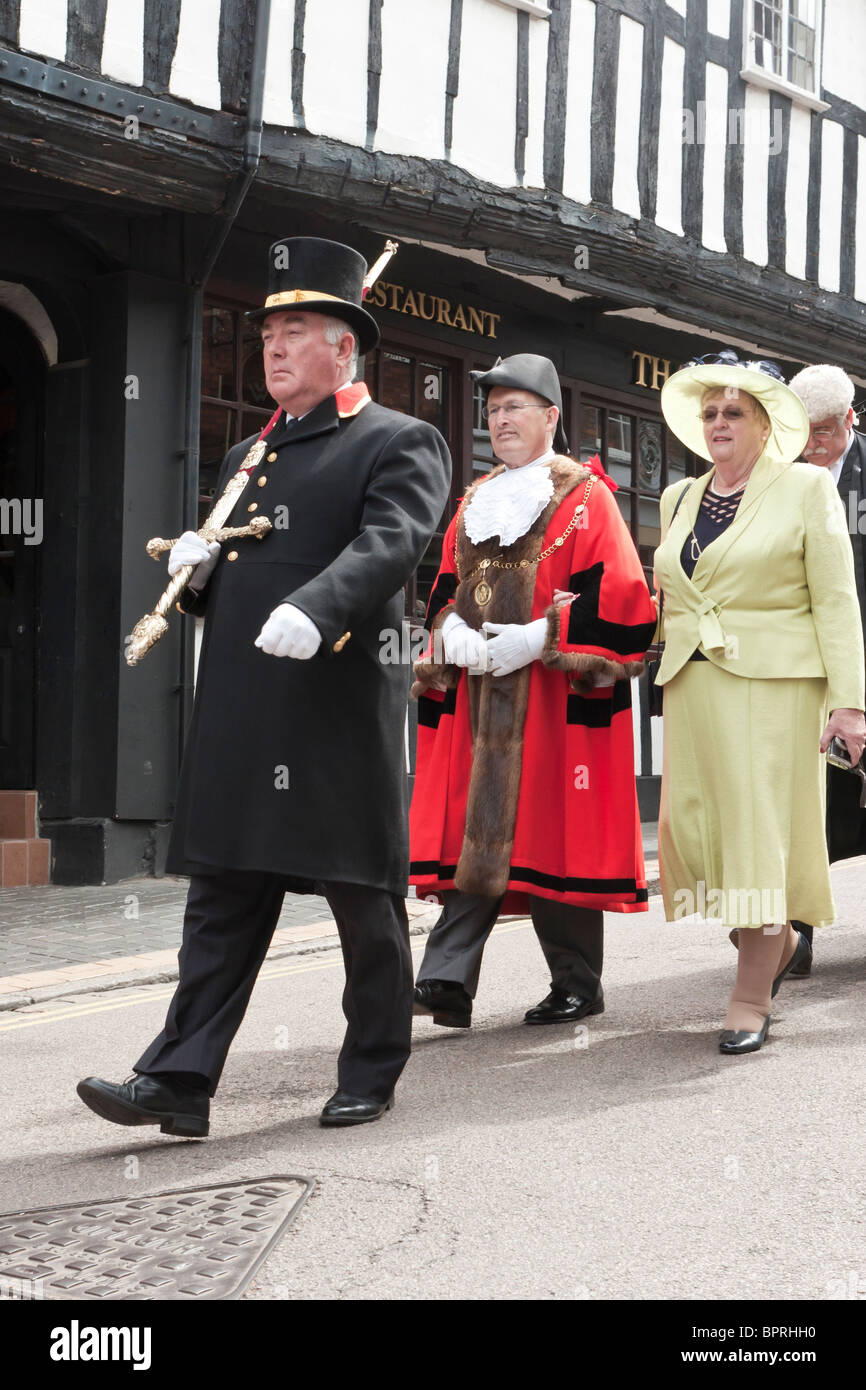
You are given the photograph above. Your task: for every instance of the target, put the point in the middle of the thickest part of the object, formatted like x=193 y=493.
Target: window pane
x=624 y=501
x=767 y=31
x=252 y=421
x=430 y=394
x=215 y=439
x=650 y=455
x=397 y=382
x=218 y=358
x=482 y=449
x=676 y=458
x=590 y=432
x=649 y=531
x=619 y=447
x=253 y=389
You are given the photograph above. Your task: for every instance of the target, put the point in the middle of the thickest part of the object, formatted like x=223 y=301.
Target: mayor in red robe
x=525 y=794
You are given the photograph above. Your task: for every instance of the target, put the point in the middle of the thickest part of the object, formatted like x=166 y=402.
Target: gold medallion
x=483 y=593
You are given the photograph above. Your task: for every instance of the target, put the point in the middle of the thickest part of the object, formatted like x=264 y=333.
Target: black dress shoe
x=149 y=1100
x=736 y=1041
x=801 y=972
x=343 y=1109
x=801 y=962
x=446 y=1000
x=563 y=1008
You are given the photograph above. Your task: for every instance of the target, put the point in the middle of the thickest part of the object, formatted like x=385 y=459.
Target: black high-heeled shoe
x=733 y=1042
x=802 y=957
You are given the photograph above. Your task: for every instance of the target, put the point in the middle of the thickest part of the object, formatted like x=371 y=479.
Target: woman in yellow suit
x=763 y=665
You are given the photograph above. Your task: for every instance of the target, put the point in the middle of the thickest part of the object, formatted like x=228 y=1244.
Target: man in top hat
x=828 y=395
x=524 y=789
x=294 y=774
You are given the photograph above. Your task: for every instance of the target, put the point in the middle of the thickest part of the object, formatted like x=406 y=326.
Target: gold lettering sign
x=659 y=369
x=419 y=304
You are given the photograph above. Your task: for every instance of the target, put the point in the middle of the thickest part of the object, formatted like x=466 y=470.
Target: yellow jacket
x=775 y=595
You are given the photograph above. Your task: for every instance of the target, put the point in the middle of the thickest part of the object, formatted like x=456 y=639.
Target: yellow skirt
x=741 y=824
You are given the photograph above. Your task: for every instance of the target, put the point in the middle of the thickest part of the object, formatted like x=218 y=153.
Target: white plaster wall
x=797 y=191
x=42 y=27
x=539 y=36
x=669 y=186
x=576 y=182
x=715 y=133
x=195 y=67
x=719 y=17
x=844 y=50
x=412 y=85
x=756 y=156
x=123 y=42
x=277 y=103
x=830 y=225
x=483 y=130
x=629 y=85
x=860 y=263
x=335 y=69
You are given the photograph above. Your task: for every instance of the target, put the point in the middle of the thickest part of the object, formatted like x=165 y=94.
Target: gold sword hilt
x=258 y=528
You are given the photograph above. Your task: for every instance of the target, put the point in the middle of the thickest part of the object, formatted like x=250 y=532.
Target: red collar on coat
x=350 y=399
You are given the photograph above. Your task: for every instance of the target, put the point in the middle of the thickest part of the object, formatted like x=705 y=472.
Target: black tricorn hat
x=312 y=275
x=526 y=371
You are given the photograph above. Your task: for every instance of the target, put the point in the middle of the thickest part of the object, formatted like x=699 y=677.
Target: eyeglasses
x=838 y=756
x=508 y=411
x=825 y=433
x=730 y=412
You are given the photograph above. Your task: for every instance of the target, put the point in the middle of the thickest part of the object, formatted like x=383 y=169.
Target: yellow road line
x=146 y=994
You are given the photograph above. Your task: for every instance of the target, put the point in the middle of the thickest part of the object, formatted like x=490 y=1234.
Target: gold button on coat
x=272 y=457
x=232 y=555
x=253 y=507
x=262 y=481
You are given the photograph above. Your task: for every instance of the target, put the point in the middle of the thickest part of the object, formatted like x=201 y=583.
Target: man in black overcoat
x=294 y=774
x=828 y=395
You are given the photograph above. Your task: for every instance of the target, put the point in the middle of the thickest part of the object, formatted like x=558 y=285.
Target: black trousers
x=572 y=939
x=228 y=924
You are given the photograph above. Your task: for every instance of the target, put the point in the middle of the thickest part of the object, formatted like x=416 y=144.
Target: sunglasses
x=838 y=756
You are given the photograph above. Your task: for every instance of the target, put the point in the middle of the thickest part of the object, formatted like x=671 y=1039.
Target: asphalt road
x=623 y=1159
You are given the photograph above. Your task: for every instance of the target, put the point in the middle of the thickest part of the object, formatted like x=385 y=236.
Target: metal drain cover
x=194 y=1243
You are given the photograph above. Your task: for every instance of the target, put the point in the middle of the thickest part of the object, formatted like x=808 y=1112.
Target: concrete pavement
x=622 y=1159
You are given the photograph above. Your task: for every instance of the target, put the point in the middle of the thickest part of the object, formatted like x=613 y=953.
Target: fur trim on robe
x=497 y=705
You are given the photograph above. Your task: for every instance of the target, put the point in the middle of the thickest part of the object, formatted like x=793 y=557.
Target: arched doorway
x=22 y=391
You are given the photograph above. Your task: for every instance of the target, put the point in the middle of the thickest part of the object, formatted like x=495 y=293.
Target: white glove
x=463 y=646
x=515 y=645
x=289 y=632
x=192 y=550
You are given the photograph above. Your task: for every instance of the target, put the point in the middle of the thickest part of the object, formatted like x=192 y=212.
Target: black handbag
x=655 y=693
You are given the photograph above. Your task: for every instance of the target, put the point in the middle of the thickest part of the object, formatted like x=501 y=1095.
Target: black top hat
x=320 y=277
x=526 y=371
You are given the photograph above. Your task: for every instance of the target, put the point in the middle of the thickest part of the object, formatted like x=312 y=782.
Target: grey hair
x=824 y=391
x=334 y=330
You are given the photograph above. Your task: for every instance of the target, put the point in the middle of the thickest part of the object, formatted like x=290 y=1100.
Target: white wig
x=824 y=391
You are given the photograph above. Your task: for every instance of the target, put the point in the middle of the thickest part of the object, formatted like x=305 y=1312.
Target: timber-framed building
x=619 y=184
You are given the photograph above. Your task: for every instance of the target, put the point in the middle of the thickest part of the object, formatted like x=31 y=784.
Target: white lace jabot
x=506 y=506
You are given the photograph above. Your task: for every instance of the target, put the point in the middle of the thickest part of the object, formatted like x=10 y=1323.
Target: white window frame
x=772 y=81
x=533 y=7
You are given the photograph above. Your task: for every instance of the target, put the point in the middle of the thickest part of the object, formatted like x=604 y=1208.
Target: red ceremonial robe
x=525 y=783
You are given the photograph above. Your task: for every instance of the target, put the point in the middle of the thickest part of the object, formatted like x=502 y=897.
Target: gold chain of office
x=483 y=593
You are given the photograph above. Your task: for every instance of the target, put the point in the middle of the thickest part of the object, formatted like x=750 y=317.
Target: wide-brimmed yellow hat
x=682 y=393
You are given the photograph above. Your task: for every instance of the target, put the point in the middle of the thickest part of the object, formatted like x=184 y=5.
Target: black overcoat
x=846 y=822
x=298 y=767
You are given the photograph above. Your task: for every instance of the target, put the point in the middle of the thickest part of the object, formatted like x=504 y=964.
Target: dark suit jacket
x=846 y=822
